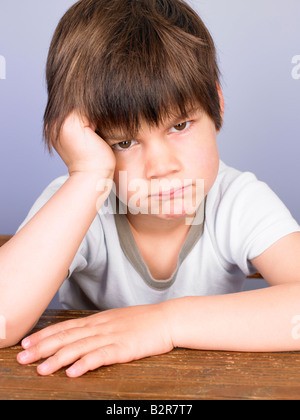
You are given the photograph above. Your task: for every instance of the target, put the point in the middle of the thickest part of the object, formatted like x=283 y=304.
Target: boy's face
x=166 y=171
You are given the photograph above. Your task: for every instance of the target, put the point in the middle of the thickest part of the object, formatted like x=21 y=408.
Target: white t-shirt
x=242 y=218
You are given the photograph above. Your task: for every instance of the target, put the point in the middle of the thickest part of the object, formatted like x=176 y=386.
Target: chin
x=173 y=216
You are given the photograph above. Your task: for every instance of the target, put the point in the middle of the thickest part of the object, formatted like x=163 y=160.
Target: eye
x=180 y=127
x=124 y=145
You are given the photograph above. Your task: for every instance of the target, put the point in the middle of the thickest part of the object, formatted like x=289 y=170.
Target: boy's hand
x=82 y=150
x=115 y=336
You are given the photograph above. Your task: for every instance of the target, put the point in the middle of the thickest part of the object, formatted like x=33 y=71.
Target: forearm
x=260 y=320
x=35 y=262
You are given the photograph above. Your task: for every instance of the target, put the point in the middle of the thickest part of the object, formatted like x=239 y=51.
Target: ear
x=222 y=103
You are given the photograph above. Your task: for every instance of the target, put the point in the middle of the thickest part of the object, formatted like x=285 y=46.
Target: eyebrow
x=173 y=119
x=117 y=137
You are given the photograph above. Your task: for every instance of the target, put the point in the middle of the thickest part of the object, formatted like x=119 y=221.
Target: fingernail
x=71 y=371
x=26 y=343
x=44 y=367
x=23 y=357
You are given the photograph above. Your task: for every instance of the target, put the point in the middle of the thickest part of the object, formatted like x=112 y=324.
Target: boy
x=134 y=109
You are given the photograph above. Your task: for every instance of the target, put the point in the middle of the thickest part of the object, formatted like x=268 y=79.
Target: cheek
x=126 y=174
x=204 y=163
x=120 y=177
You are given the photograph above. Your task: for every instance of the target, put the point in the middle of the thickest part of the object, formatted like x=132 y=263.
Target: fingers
x=78 y=352
x=34 y=339
x=116 y=336
x=92 y=320
x=79 y=120
x=52 y=344
x=64 y=343
x=103 y=356
x=88 y=353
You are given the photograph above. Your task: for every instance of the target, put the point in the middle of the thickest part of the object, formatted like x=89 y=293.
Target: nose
x=161 y=159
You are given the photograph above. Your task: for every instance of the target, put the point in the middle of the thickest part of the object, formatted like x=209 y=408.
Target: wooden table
x=179 y=375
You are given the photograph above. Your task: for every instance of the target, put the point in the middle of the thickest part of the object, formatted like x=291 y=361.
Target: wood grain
x=180 y=375
x=4 y=239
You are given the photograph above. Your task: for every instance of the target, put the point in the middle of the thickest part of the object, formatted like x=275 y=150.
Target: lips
x=174 y=192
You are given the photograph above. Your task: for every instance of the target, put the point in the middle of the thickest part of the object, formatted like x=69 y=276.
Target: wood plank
x=255 y=276
x=4 y=239
x=181 y=374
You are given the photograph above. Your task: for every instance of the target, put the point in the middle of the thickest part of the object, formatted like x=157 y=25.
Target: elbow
x=6 y=343
x=10 y=332
x=14 y=326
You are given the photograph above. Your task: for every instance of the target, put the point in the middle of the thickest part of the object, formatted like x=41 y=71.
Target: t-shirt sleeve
x=49 y=191
x=249 y=219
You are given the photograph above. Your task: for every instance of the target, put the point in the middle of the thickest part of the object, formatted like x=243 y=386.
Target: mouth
x=172 y=193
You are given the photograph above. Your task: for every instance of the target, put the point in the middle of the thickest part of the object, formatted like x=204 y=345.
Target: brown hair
x=122 y=61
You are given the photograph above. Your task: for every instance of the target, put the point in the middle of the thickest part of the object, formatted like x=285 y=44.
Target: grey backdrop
x=258 y=45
